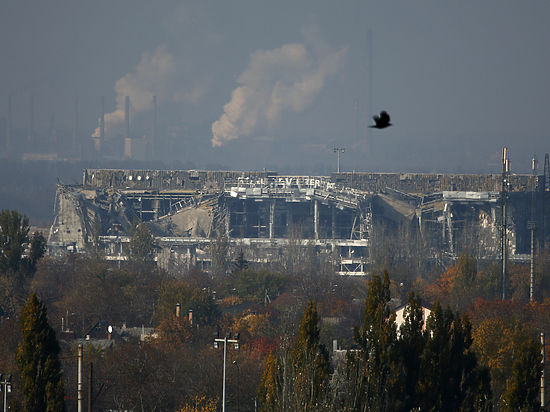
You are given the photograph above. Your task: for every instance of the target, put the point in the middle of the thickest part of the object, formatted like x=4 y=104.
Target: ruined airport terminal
x=341 y=215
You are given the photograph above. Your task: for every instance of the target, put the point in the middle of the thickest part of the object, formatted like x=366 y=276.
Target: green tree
x=141 y=244
x=253 y=285
x=36 y=251
x=219 y=249
x=14 y=237
x=200 y=301
x=523 y=387
x=465 y=288
x=451 y=378
x=375 y=364
x=16 y=266
x=310 y=359
x=38 y=360
x=240 y=263
x=14 y=230
x=298 y=379
x=270 y=388
x=412 y=341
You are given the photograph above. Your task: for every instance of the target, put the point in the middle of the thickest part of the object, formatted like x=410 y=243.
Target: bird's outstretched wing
x=384 y=117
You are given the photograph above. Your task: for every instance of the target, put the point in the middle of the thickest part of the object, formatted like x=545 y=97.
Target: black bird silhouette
x=382 y=121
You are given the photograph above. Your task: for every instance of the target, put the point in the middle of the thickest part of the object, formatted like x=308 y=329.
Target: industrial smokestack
x=75 y=125
x=102 y=119
x=9 y=127
x=127 y=116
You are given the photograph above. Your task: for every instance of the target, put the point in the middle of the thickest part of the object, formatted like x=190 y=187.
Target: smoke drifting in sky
x=285 y=106
x=153 y=76
x=286 y=78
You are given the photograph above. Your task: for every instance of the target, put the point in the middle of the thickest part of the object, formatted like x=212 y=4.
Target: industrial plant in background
x=113 y=139
x=346 y=217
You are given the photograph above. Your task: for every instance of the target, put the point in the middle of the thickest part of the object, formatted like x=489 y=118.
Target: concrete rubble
x=339 y=215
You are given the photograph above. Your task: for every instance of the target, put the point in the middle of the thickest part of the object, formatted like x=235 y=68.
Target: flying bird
x=382 y=121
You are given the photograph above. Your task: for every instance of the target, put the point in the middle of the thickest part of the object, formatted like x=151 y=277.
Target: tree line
x=422 y=366
x=474 y=352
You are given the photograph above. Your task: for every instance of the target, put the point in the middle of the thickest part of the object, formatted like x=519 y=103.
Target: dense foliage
x=473 y=352
x=38 y=360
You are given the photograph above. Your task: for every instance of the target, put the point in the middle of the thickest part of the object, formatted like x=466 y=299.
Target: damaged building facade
x=344 y=216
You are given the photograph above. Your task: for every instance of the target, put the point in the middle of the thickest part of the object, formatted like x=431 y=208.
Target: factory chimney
x=98 y=141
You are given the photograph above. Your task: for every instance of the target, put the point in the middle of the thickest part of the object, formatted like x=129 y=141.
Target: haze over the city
x=278 y=85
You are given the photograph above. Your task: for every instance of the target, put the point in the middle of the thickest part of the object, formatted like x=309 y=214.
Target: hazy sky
x=278 y=84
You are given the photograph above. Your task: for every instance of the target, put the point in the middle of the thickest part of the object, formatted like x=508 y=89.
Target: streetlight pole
x=79 y=380
x=225 y=340
x=339 y=150
x=6 y=387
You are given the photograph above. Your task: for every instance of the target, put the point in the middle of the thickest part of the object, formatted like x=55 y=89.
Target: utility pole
x=531 y=225
x=225 y=340
x=339 y=150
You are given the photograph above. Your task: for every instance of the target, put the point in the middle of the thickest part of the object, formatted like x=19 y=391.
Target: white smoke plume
x=289 y=77
x=151 y=77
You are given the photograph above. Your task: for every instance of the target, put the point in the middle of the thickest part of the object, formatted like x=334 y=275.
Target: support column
x=450 y=231
x=156 y=207
x=289 y=218
x=244 y=221
x=316 y=219
x=333 y=222
x=227 y=222
x=271 y=218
